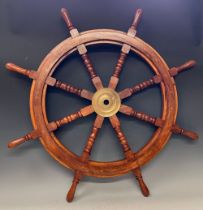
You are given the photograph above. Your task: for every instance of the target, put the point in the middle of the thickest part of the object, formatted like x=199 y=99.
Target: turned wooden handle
x=189 y=134
x=67 y=19
x=75 y=182
x=18 y=69
x=143 y=186
x=17 y=142
x=176 y=70
x=136 y=19
x=187 y=65
x=71 y=192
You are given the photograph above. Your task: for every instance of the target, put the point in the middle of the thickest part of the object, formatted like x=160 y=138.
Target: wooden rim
x=59 y=151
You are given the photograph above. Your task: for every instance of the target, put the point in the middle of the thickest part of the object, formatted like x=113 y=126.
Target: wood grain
x=82 y=165
x=54 y=146
x=85 y=156
x=128 y=153
x=176 y=129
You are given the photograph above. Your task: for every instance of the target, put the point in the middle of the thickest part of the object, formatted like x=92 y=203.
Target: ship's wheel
x=106 y=102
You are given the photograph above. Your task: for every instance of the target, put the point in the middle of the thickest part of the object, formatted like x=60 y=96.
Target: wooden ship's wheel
x=105 y=102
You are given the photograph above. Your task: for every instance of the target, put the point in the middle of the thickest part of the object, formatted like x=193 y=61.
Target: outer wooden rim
x=60 y=152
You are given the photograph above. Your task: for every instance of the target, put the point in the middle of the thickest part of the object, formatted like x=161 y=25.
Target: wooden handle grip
x=187 y=65
x=143 y=186
x=18 y=69
x=176 y=70
x=189 y=134
x=67 y=19
x=137 y=18
x=19 y=141
x=75 y=182
x=71 y=192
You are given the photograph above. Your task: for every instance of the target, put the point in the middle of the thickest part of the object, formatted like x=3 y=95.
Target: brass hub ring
x=106 y=102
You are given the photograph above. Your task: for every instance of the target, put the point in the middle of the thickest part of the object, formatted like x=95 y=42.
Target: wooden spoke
x=115 y=78
x=121 y=137
x=155 y=80
x=85 y=156
x=82 y=51
x=71 y=89
x=89 y=65
x=52 y=126
x=128 y=153
x=95 y=79
x=124 y=51
x=141 y=116
x=139 y=87
x=119 y=64
x=88 y=147
x=81 y=113
x=157 y=122
x=51 y=81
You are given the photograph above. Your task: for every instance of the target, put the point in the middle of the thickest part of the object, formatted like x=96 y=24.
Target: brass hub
x=106 y=102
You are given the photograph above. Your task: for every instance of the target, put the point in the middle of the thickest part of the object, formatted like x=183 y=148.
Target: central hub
x=106 y=102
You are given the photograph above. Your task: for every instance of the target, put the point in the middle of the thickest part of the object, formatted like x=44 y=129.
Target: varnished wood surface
x=133 y=160
x=163 y=76
x=66 y=157
x=85 y=156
